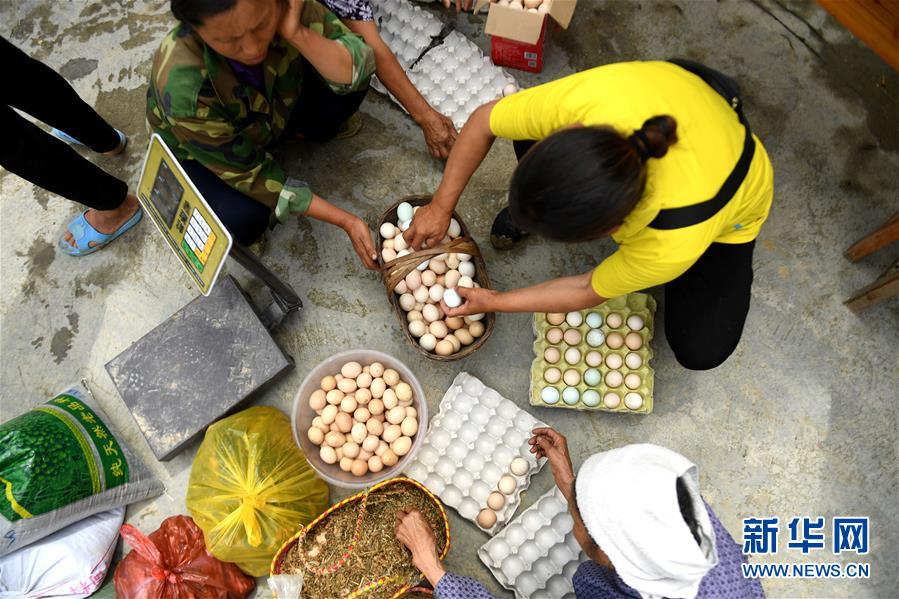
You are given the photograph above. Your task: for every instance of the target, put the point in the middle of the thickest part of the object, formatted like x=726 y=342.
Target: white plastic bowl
x=302 y=415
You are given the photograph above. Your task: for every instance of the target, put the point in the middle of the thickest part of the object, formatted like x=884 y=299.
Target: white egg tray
x=469 y=446
x=536 y=555
x=454 y=77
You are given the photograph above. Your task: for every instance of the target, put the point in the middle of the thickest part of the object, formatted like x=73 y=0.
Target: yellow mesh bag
x=251 y=488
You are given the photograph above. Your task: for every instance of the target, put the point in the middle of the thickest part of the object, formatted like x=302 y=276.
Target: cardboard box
x=518 y=37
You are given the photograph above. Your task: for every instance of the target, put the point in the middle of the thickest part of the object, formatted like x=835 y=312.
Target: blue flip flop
x=123 y=140
x=84 y=234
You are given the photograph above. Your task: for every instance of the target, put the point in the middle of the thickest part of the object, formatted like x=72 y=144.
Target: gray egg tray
x=536 y=555
x=455 y=77
x=469 y=446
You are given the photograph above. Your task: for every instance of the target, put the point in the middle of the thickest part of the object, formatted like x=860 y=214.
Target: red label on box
x=518 y=55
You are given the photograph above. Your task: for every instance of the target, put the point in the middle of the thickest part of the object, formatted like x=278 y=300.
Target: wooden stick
x=882 y=237
x=885 y=287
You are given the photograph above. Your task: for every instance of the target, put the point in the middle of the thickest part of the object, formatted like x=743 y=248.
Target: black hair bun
x=659 y=133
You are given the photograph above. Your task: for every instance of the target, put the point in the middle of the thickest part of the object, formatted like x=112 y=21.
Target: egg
x=389 y=399
x=571 y=336
x=552 y=355
x=328 y=383
x=510 y=88
x=464 y=337
x=465 y=282
x=635 y=322
x=359 y=467
x=555 y=318
x=614 y=340
x=452 y=298
x=519 y=466
x=571 y=377
x=374 y=426
x=404 y=211
x=407 y=302
x=614 y=361
x=317 y=400
x=451 y=278
x=592 y=377
x=594 y=320
x=476 y=329
x=444 y=348
x=401 y=288
x=486 y=518
x=549 y=395
x=344 y=422
x=593 y=358
x=467 y=269
x=409 y=426
x=632 y=380
x=507 y=485
x=614 y=320
x=595 y=337
x=438 y=267
x=428 y=278
x=574 y=319
x=590 y=398
x=421 y=296
x=329 y=413
x=428 y=342
x=572 y=355
x=554 y=335
x=634 y=340
x=347 y=385
x=396 y=415
x=327 y=454
x=389 y=458
x=423 y=265
x=551 y=376
x=417 y=328
x=401 y=446
x=413 y=280
x=400 y=245
x=439 y=329
x=633 y=361
x=315 y=435
x=614 y=379
x=388 y=231
x=430 y=313
x=633 y=400
x=570 y=395
x=496 y=501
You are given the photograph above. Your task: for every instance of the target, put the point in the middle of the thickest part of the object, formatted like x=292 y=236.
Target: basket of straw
x=351 y=550
x=416 y=281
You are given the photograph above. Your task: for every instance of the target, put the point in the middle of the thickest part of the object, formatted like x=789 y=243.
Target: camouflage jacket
x=203 y=112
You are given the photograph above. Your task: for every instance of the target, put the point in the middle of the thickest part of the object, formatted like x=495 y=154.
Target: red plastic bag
x=172 y=563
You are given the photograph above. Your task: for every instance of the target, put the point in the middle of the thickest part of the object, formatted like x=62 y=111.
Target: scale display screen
x=187 y=223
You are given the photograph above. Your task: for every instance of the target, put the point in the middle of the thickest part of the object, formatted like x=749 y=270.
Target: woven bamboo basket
x=354 y=499
x=396 y=270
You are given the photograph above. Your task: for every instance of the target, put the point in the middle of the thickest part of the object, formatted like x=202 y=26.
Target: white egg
x=455 y=229
x=388 y=231
x=633 y=400
x=510 y=89
x=421 y=295
x=614 y=379
x=404 y=211
x=467 y=269
x=430 y=313
x=452 y=298
x=423 y=265
x=407 y=302
x=635 y=322
x=507 y=485
x=633 y=361
x=595 y=338
x=428 y=341
x=519 y=467
x=436 y=292
x=574 y=319
x=572 y=355
x=614 y=361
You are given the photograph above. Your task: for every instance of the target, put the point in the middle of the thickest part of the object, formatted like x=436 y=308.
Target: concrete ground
x=802 y=420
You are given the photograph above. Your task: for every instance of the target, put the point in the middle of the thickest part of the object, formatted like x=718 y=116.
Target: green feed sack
x=62 y=462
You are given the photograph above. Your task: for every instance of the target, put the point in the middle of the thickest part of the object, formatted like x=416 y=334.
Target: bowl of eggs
x=417 y=282
x=360 y=417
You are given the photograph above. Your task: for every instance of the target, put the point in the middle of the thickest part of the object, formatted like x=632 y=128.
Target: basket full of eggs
x=416 y=282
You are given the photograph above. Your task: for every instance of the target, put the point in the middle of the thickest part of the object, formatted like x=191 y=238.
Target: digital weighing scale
x=216 y=351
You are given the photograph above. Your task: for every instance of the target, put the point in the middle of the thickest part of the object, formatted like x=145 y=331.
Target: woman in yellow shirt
x=646 y=152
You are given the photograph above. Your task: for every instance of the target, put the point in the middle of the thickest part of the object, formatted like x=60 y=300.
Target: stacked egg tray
x=470 y=446
x=593 y=354
x=536 y=555
x=455 y=77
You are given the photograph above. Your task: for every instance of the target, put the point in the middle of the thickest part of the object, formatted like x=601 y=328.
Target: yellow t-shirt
x=710 y=139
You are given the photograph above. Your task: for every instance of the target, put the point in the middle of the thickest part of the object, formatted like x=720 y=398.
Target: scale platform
x=196 y=367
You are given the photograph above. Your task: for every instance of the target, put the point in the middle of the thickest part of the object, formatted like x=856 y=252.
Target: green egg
x=594 y=320
x=549 y=395
x=592 y=377
x=590 y=398
x=570 y=395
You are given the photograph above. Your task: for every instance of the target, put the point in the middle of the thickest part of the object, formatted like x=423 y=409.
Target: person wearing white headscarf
x=640 y=520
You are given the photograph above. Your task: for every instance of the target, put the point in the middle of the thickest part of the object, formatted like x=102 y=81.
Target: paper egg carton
x=536 y=555
x=639 y=304
x=470 y=445
x=454 y=77
x=405 y=28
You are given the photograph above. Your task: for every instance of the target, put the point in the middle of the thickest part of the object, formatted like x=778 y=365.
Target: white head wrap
x=628 y=501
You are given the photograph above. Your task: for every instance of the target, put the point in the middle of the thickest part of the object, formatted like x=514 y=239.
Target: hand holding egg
x=475 y=300
x=429 y=226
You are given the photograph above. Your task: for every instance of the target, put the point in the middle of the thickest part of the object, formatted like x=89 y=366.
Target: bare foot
x=107 y=221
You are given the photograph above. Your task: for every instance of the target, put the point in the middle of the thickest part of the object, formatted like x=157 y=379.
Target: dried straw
x=378 y=553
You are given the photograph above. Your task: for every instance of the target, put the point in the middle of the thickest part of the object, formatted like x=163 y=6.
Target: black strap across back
x=687 y=216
